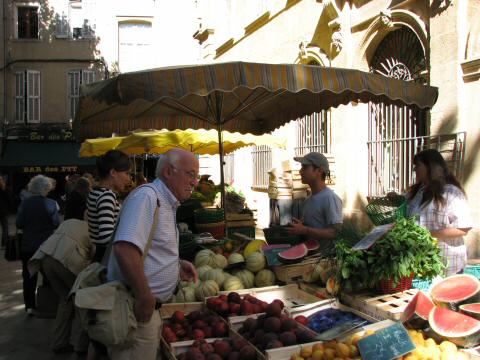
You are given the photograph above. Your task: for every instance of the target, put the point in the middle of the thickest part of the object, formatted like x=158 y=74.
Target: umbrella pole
x=222 y=177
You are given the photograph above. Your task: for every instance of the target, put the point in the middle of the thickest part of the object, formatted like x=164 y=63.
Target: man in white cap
x=322 y=210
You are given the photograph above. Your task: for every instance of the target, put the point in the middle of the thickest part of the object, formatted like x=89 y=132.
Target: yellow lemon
x=306 y=352
x=353 y=351
x=253 y=246
x=447 y=345
x=330 y=344
x=342 y=350
x=430 y=343
x=329 y=354
x=317 y=354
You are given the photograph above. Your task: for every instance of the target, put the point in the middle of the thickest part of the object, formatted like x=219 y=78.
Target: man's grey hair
x=171 y=157
x=41 y=185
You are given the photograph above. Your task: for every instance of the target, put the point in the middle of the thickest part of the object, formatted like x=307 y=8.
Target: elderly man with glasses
x=153 y=280
x=322 y=210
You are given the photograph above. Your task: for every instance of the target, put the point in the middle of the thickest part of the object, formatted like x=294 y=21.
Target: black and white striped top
x=102 y=213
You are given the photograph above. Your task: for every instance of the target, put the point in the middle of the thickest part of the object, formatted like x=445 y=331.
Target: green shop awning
x=18 y=153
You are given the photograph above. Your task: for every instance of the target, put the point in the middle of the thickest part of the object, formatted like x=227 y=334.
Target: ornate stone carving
x=337 y=41
x=386 y=18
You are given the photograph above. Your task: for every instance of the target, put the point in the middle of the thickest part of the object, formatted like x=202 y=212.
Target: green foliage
x=407 y=248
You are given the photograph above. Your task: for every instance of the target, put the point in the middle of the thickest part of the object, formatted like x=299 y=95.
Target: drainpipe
x=4 y=66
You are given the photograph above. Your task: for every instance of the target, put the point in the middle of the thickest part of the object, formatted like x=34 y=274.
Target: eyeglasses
x=191 y=174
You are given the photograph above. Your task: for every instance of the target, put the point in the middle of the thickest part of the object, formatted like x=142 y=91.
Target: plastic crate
x=473 y=270
x=386 y=210
x=279 y=235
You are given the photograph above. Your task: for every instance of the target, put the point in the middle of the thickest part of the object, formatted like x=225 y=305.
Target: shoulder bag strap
x=150 y=236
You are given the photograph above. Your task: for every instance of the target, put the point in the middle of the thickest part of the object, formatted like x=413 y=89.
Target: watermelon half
x=456 y=327
x=472 y=310
x=312 y=246
x=456 y=290
x=417 y=311
x=293 y=255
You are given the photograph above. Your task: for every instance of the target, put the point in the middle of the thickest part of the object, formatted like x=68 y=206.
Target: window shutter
x=33 y=96
x=61 y=25
x=73 y=90
x=19 y=97
x=88 y=77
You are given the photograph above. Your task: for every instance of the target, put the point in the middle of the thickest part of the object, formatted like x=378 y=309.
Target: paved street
x=21 y=337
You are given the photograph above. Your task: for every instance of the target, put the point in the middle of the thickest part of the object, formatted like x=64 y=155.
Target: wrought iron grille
x=262 y=164
x=311 y=133
x=391 y=160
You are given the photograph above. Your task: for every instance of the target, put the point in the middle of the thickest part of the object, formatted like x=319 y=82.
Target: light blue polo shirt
x=161 y=264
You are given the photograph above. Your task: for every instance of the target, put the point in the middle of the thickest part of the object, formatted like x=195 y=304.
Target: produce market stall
x=258 y=98
x=237 y=96
x=327 y=309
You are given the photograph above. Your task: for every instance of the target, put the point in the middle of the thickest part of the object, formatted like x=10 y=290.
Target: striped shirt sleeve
x=102 y=212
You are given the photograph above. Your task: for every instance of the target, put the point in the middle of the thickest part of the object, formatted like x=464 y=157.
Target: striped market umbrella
x=237 y=96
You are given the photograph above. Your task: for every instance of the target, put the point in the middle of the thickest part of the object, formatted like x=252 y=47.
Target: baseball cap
x=315 y=159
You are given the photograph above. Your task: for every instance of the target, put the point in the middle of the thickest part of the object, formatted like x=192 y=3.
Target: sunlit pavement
x=21 y=337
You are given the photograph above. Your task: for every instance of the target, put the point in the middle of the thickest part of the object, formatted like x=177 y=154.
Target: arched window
x=395 y=133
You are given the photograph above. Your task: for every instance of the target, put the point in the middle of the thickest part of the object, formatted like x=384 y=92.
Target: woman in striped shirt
x=102 y=206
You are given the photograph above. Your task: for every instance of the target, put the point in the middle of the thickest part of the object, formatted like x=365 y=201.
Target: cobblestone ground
x=21 y=337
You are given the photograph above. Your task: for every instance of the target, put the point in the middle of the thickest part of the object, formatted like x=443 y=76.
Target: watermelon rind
x=456 y=290
x=417 y=311
x=458 y=328
x=472 y=310
x=293 y=255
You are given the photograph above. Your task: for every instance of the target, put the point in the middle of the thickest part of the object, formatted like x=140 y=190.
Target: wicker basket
x=386 y=285
x=209 y=215
x=386 y=210
x=216 y=229
x=279 y=235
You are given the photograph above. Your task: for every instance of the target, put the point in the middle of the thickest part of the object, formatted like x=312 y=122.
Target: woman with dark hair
x=439 y=203
x=102 y=206
x=77 y=201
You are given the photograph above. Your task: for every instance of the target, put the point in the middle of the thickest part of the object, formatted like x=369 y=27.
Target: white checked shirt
x=161 y=265
x=454 y=214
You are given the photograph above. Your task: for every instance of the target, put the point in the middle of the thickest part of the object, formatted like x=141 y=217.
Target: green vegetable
x=407 y=248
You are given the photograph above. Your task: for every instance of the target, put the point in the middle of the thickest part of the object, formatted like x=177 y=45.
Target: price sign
x=370 y=239
x=386 y=344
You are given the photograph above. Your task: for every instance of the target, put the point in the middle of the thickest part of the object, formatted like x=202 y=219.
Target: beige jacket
x=69 y=244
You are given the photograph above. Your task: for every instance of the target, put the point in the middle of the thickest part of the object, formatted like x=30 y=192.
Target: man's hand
x=188 y=272
x=144 y=307
x=297 y=228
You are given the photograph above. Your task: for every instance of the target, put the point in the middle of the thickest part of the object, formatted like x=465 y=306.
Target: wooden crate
x=275 y=354
x=291 y=295
x=294 y=273
x=313 y=308
x=167 y=310
x=315 y=290
x=381 y=307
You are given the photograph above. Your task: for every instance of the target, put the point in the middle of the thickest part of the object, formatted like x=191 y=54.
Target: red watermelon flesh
x=472 y=310
x=312 y=245
x=417 y=311
x=294 y=254
x=456 y=327
x=455 y=290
